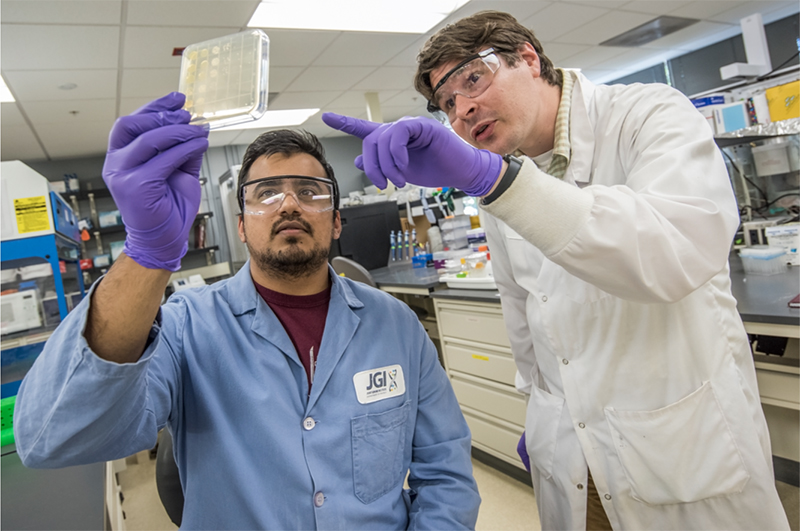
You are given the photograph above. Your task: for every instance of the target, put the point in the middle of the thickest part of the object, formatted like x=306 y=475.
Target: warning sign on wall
x=31 y=214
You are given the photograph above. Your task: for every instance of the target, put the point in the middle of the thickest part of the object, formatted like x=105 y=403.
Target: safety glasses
x=265 y=196
x=469 y=78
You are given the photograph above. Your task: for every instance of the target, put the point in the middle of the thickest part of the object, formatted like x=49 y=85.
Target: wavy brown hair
x=470 y=35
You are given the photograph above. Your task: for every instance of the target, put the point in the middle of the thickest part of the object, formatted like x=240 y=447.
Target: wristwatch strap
x=514 y=164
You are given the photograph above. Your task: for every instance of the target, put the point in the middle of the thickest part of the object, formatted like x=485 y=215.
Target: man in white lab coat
x=610 y=232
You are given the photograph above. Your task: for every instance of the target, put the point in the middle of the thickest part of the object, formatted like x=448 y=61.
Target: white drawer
x=476 y=323
x=494 y=365
x=778 y=388
x=499 y=401
x=492 y=435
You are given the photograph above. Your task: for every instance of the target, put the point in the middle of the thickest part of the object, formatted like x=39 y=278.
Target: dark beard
x=292 y=263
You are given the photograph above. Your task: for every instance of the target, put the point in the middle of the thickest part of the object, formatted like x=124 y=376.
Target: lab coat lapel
x=243 y=298
x=581 y=133
x=340 y=327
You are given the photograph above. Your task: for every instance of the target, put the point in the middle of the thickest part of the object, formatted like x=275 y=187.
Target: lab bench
x=476 y=354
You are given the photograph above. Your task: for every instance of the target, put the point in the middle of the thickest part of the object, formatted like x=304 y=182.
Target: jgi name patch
x=379 y=384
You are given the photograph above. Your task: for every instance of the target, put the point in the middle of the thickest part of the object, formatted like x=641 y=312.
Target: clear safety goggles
x=469 y=78
x=265 y=196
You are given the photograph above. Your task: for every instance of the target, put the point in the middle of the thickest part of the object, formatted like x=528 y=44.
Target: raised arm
x=152 y=169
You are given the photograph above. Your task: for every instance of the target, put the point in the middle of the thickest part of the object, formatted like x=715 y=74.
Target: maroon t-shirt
x=303 y=317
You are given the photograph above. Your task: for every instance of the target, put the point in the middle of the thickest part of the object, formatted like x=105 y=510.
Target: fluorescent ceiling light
x=287 y=118
x=5 y=94
x=390 y=16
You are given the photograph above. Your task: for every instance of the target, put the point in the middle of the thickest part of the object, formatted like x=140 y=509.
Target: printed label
x=379 y=384
x=31 y=214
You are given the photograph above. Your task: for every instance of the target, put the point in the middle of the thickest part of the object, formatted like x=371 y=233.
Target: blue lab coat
x=255 y=450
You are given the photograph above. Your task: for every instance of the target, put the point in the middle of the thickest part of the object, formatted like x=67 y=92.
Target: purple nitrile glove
x=419 y=151
x=152 y=169
x=522 y=450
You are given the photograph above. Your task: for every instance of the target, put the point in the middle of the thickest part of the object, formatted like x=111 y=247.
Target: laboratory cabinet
x=476 y=354
x=477 y=357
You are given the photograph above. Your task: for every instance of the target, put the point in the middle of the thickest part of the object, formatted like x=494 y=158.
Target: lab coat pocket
x=379 y=441
x=682 y=453
x=541 y=429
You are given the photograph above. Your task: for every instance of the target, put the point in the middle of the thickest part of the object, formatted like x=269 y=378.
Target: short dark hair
x=286 y=142
x=470 y=35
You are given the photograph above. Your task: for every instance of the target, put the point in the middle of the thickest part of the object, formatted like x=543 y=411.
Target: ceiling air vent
x=649 y=31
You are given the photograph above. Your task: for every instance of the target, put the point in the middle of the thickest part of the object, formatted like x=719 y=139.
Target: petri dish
x=226 y=79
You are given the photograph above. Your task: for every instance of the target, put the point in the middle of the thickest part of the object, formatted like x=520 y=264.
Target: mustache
x=293 y=219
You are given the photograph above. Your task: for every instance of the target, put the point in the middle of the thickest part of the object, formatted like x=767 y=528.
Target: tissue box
x=109 y=219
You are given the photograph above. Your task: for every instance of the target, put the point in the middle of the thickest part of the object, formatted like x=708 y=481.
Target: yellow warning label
x=31 y=214
x=479 y=357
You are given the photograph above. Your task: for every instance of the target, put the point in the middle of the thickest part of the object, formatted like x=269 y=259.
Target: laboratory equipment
x=763 y=260
x=226 y=79
x=194 y=281
x=20 y=311
x=365 y=234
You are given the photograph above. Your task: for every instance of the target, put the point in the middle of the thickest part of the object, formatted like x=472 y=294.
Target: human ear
x=241 y=229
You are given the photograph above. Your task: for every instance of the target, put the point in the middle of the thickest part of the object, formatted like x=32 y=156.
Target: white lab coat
x=616 y=294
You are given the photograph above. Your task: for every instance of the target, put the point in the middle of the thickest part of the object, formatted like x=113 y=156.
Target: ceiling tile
x=19 y=143
x=10 y=114
x=33 y=47
x=357 y=98
x=607 y=4
x=408 y=56
x=406 y=98
x=388 y=78
x=79 y=140
x=520 y=9
x=655 y=7
x=689 y=38
x=557 y=52
x=705 y=9
x=737 y=13
x=303 y=100
x=628 y=57
x=297 y=47
x=230 y=13
x=129 y=105
x=329 y=78
x=558 y=19
x=364 y=49
x=591 y=57
x=281 y=76
x=71 y=112
x=150 y=47
x=605 y=27
x=149 y=82
x=43 y=85
x=62 y=11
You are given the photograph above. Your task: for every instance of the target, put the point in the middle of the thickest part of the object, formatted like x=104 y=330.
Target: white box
x=771 y=159
x=787 y=237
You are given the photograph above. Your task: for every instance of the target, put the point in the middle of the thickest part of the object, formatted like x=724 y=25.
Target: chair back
x=168 y=480
x=352 y=270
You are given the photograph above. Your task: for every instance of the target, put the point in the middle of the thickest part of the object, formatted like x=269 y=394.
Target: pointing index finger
x=350 y=125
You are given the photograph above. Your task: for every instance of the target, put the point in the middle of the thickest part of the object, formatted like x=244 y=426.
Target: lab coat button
x=319 y=499
x=607 y=496
x=580 y=486
x=544 y=298
x=581 y=425
x=565 y=361
x=309 y=423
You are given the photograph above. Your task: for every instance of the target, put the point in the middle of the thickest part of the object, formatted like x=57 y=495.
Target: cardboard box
x=784 y=101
